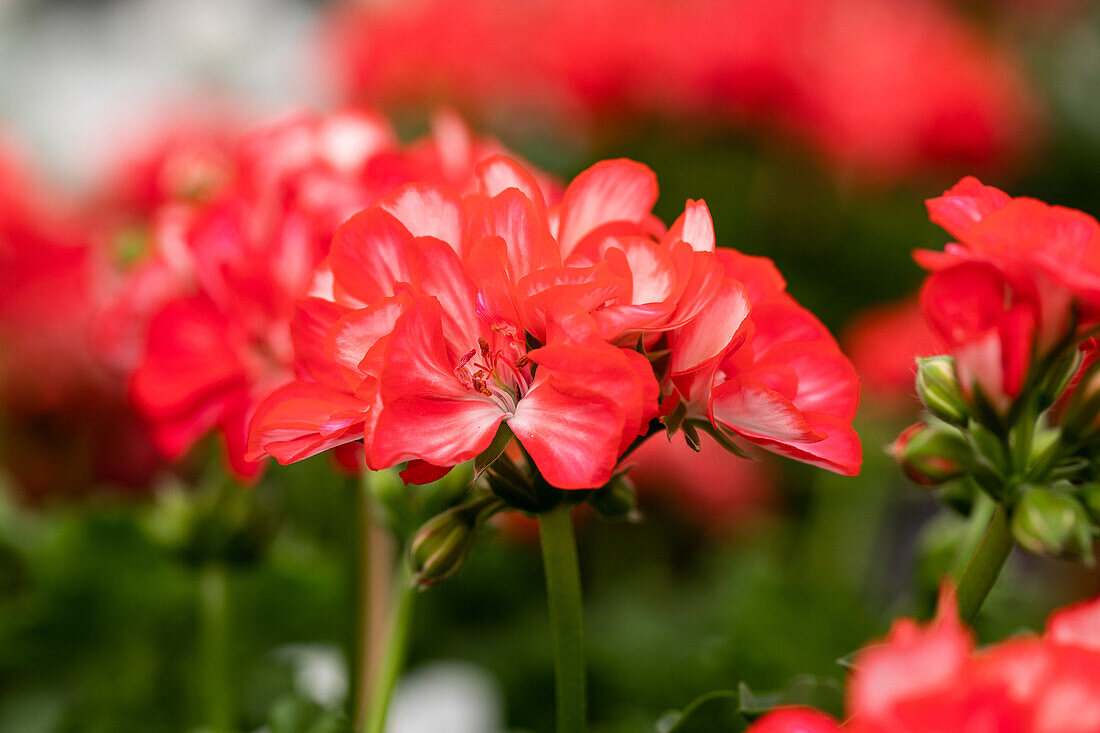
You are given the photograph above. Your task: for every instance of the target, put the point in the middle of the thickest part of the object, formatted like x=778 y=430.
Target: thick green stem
x=985 y=565
x=371 y=553
x=563 y=590
x=213 y=668
x=393 y=660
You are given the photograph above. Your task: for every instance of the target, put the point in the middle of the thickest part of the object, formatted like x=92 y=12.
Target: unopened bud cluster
x=1037 y=458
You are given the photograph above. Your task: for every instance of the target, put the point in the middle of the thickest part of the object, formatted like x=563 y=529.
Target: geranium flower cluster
x=441 y=325
x=926 y=679
x=882 y=88
x=236 y=247
x=1015 y=303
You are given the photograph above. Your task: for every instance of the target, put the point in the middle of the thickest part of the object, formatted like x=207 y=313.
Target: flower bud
x=442 y=545
x=939 y=390
x=1053 y=523
x=616 y=499
x=932 y=454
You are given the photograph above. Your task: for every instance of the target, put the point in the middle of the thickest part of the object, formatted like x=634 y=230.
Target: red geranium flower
x=436 y=319
x=239 y=259
x=1021 y=275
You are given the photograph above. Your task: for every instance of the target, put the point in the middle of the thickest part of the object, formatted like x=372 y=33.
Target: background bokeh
x=814 y=130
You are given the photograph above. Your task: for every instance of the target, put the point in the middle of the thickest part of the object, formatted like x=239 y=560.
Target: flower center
x=500 y=374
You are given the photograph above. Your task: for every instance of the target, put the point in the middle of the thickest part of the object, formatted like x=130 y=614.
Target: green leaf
x=488 y=456
x=675 y=419
x=722 y=438
x=691 y=435
x=822 y=693
x=714 y=711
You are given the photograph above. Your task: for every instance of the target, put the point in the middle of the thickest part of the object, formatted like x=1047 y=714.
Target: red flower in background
x=885 y=88
x=1020 y=278
x=927 y=679
x=236 y=261
x=67 y=423
x=884 y=343
x=713 y=489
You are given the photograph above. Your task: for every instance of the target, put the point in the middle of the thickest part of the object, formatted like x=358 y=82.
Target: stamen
x=465 y=360
x=523 y=361
x=484 y=346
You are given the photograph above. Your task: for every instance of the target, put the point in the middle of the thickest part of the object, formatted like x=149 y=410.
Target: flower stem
x=980 y=514
x=985 y=565
x=563 y=590
x=372 y=552
x=213 y=668
x=393 y=660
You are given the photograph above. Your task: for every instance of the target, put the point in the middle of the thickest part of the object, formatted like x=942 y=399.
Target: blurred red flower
x=885 y=88
x=884 y=343
x=927 y=679
x=66 y=421
x=713 y=488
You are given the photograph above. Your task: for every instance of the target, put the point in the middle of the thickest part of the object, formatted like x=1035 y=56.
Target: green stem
x=358 y=567
x=980 y=514
x=985 y=565
x=563 y=590
x=397 y=641
x=214 y=677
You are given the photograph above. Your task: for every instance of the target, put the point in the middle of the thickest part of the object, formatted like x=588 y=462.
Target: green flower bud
x=939 y=390
x=932 y=454
x=1053 y=523
x=616 y=499
x=1090 y=497
x=442 y=545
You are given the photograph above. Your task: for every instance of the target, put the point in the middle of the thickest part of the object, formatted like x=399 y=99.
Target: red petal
x=965 y=204
x=288 y=423
x=571 y=433
x=708 y=336
x=498 y=173
x=611 y=190
x=795 y=720
x=694 y=226
x=427 y=210
x=371 y=252
x=188 y=359
x=749 y=408
x=513 y=217
x=1077 y=625
x=422 y=472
